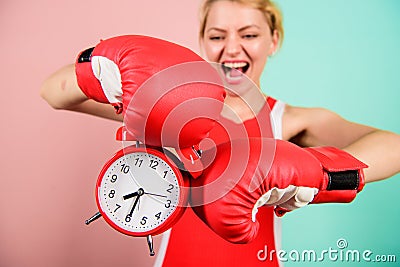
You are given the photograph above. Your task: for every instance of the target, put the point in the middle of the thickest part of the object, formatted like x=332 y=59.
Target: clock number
x=138 y=162
x=143 y=221
x=158 y=215
x=111 y=194
x=114 y=178
x=165 y=174
x=170 y=187
x=118 y=206
x=125 y=168
x=153 y=164
x=168 y=204
x=128 y=218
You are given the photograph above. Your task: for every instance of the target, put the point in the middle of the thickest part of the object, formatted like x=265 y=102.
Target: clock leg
x=93 y=218
x=150 y=243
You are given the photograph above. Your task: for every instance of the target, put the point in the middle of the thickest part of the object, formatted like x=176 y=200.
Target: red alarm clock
x=141 y=191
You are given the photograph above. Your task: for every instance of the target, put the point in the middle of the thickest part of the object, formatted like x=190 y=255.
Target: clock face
x=138 y=192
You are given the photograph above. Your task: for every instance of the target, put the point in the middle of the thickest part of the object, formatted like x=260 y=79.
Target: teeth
x=234 y=65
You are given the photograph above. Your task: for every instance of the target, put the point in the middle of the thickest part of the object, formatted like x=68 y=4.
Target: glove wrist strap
x=344 y=180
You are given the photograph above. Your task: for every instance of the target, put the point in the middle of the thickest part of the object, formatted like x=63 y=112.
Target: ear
x=274 y=43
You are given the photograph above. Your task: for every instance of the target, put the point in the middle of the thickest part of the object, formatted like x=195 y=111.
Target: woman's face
x=239 y=38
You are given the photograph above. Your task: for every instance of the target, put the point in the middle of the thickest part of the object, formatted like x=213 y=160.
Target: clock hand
x=134 y=206
x=131 y=195
x=154 y=194
x=140 y=193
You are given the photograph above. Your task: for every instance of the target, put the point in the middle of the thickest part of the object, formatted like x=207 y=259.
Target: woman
x=241 y=35
x=236 y=31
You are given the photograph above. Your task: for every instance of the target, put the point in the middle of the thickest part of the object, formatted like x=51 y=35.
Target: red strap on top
x=271 y=102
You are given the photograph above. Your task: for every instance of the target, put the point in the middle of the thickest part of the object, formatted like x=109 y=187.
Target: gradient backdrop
x=342 y=55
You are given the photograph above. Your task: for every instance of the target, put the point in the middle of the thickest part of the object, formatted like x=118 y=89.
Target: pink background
x=51 y=159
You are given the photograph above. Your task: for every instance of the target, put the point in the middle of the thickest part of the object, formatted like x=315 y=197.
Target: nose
x=233 y=46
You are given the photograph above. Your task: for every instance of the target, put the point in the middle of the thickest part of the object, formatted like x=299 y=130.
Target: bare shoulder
x=315 y=116
x=320 y=126
x=295 y=120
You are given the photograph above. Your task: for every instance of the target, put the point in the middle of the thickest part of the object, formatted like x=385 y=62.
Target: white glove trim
x=107 y=72
x=291 y=197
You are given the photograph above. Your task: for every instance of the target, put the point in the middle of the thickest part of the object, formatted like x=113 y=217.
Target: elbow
x=44 y=93
x=49 y=96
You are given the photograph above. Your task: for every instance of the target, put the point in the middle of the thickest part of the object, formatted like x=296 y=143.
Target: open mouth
x=234 y=69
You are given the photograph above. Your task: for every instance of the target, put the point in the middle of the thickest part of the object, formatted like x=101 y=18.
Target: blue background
x=344 y=56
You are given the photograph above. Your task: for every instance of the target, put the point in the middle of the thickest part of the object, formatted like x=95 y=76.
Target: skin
x=237 y=33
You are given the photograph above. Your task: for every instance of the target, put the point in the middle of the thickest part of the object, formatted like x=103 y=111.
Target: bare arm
x=379 y=149
x=61 y=91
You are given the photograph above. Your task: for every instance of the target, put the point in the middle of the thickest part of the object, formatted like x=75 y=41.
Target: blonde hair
x=270 y=10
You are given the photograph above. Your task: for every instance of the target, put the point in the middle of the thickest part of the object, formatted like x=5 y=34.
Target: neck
x=240 y=108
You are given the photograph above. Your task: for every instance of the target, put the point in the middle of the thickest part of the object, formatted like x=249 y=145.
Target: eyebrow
x=249 y=26
x=240 y=30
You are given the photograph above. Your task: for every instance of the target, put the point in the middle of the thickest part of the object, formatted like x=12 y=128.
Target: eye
x=249 y=36
x=216 y=38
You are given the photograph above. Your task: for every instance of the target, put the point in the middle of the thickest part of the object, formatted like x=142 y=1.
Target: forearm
x=97 y=109
x=380 y=150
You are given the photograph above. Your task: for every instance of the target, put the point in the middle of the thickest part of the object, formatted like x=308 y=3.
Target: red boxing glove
x=168 y=94
x=247 y=174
